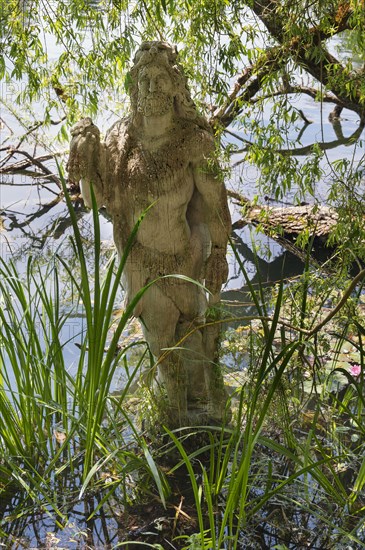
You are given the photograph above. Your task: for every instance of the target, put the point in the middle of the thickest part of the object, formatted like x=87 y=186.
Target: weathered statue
x=160 y=156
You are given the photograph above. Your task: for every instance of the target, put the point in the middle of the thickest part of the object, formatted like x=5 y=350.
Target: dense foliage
x=248 y=62
x=267 y=44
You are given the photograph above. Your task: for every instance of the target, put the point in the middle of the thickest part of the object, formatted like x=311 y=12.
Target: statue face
x=155 y=91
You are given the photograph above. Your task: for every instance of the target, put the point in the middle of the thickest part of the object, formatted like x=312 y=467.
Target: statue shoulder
x=203 y=143
x=118 y=135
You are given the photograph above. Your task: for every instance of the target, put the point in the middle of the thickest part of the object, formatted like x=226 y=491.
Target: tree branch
x=23 y=164
x=252 y=79
x=346 y=295
x=36 y=161
x=324 y=67
x=268 y=13
x=301 y=48
x=307 y=149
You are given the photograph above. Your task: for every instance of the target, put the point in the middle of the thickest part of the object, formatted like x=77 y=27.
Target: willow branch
x=327 y=70
x=308 y=149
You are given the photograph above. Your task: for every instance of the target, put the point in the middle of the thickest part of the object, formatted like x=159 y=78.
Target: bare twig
x=36 y=161
x=23 y=164
x=308 y=149
x=2 y=121
x=28 y=132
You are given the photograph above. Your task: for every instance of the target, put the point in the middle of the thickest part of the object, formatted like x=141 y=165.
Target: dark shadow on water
x=38 y=530
x=288 y=521
x=238 y=301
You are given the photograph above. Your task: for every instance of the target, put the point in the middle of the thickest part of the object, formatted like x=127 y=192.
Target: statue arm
x=218 y=219
x=87 y=163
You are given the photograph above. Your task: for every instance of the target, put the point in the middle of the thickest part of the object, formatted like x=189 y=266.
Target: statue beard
x=155 y=104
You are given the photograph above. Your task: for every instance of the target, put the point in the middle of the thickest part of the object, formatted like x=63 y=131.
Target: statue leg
x=206 y=395
x=214 y=377
x=159 y=318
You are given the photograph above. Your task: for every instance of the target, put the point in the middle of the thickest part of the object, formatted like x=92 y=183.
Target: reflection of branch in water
x=61 y=225
x=55 y=229
x=301 y=133
x=28 y=131
x=248 y=255
x=272 y=270
x=341 y=140
x=41 y=212
x=285 y=266
x=35 y=176
x=323 y=146
x=100 y=523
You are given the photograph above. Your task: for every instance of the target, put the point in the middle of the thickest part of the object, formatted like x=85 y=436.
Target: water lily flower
x=355 y=370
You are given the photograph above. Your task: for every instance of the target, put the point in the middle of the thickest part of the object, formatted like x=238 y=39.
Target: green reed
x=244 y=472
x=55 y=417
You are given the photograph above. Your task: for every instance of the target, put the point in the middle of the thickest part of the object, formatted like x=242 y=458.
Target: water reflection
x=23 y=527
x=42 y=230
x=35 y=223
x=263 y=272
x=293 y=519
x=305 y=150
x=38 y=231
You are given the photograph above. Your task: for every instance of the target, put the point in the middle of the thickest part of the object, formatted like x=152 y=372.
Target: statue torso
x=160 y=174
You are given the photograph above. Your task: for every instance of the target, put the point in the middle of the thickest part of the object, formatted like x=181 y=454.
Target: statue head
x=158 y=84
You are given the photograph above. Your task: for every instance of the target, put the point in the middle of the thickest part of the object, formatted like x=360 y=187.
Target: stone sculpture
x=162 y=155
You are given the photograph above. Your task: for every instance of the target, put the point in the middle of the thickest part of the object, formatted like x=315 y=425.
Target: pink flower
x=355 y=370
